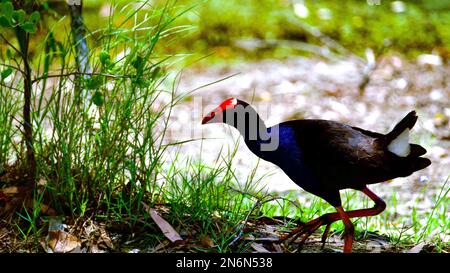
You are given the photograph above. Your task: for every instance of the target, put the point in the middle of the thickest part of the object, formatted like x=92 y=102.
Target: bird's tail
x=420 y=163
x=416 y=150
x=397 y=140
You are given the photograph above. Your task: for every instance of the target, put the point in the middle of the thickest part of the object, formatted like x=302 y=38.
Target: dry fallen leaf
x=3 y=233
x=417 y=249
x=62 y=242
x=165 y=227
x=104 y=238
x=206 y=241
x=42 y=182
x=278 y=248
x=10 y=190
x=93 y=248
x=261 y=239
x=259 y=248
x=162 y=245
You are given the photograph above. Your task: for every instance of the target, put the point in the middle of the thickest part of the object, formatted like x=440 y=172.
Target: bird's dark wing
x=340 y=154
x=328 y=139
x=368 y=133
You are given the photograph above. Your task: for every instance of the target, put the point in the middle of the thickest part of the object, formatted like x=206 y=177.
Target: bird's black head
x=241 y=116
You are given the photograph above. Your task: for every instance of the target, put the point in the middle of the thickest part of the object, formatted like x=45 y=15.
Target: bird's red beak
x=227 y=104
x=209 y=117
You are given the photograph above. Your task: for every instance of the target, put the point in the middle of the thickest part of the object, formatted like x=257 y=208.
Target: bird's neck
x=252 y=128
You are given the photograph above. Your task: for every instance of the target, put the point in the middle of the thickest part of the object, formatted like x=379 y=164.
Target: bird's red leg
x=379 y=207
x=327 y=219
x=349 y=230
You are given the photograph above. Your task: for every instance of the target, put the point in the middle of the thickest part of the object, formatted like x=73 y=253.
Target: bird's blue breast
x=290 y=157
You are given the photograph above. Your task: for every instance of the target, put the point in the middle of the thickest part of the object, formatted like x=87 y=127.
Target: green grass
x=105 y=151
x=98 y=138
x=202 y=201
x=8 y=107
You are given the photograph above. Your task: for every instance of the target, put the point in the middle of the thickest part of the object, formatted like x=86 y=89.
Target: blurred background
x=281 y=28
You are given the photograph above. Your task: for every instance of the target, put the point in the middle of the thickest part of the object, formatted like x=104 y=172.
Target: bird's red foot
x=309 y=228
x=327 y=219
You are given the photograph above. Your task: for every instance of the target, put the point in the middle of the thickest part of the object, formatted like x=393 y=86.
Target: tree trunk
x=24 y=39
x=79 y=32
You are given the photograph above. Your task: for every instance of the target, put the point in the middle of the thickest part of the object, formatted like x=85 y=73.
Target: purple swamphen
x=324 y=157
